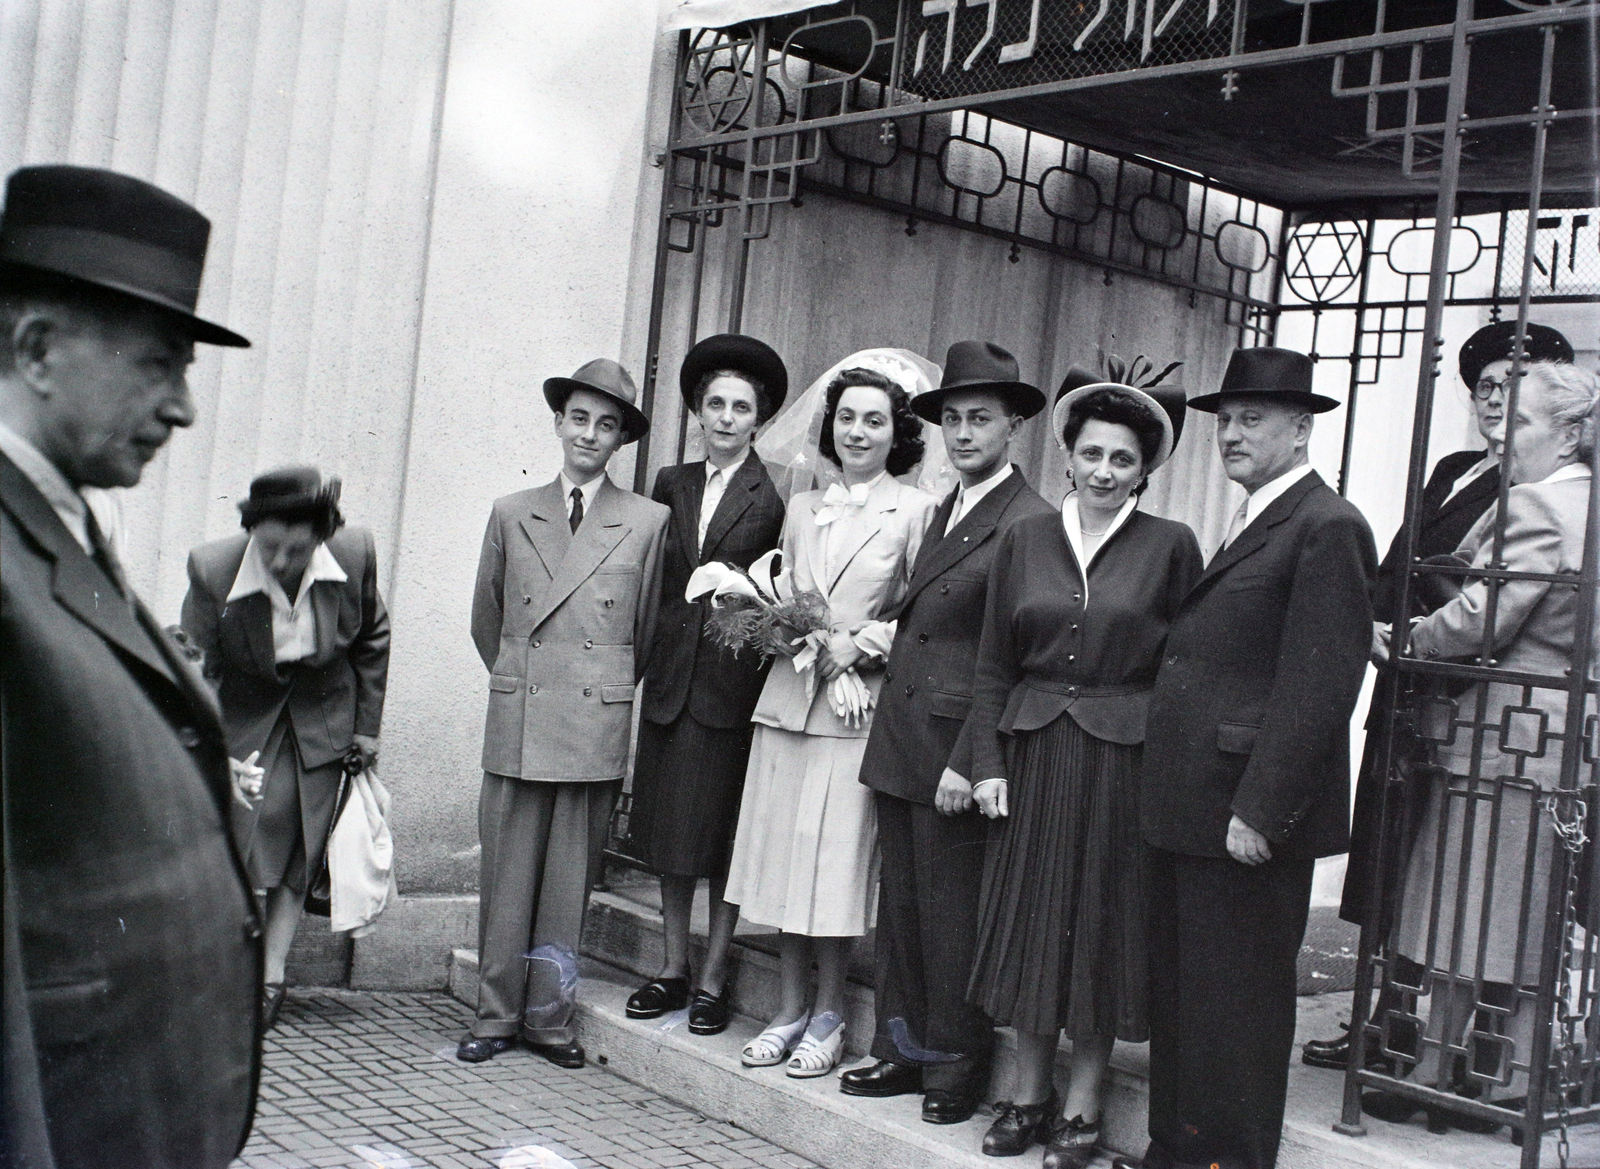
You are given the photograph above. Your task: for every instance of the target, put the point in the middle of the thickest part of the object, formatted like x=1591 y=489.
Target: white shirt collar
x=62 y=497
x=1073 y=524
x=968 y=498
x=589 y=489
x=1262 y=497
x=254 y=577
x=1570 y=471
x=727 y=472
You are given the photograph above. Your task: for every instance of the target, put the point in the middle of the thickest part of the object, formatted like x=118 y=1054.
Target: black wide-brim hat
x=1497 y=342
x=974 y=366
x=603 y=376
x=79 y=225
x=742 y=354
x=1267 y=372
x=293 y=494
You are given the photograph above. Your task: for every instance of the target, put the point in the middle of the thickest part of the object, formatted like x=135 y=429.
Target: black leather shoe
x=1398 y=1109
x=477 y=1049
x=1334 y=1054
x=654 y=999
x=1017 y=1127
x=708 y=1013
x=883 y=1078
x=563 y=1055
x=943 y=1106
x=1072 y=1143
x=271 y=1004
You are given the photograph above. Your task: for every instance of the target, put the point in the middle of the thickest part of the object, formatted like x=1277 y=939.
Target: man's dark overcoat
x=136 y=922
x=1250 y=717
x=932 y=865
x=686 y=669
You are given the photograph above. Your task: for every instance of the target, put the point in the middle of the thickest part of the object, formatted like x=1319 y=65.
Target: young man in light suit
x=929 y=1038
x=562 y=615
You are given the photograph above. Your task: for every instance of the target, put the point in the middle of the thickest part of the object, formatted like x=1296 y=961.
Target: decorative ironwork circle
x=1243 y=247
x=831 y=77
x=1410 y=252
x=1323 y=260
x=1070 y=195
x=716 y=90
x=1157 y=223
x=965 y=164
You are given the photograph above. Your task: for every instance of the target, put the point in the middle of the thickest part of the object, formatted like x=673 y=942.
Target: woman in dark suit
x=1078 y=608
x=1462 y=487
x=695 y=728
x=296 y=639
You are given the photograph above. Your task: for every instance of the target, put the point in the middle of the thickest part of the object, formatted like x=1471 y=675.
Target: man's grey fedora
x=603 y=376
x=1266 y=372
x=76 y=224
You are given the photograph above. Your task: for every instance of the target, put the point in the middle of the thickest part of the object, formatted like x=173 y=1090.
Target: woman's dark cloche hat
x=1494 y=343
x=980 y=365
x=603 y=376
x=112 y=231
x=294 y=492
x=743 y=354
x=1267 y=372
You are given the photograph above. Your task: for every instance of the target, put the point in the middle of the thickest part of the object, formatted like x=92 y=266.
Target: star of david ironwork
x=1324 y=260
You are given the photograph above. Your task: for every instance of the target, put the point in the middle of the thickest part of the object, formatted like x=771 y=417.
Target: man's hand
x=1245 y=844
x=954 y=795
x=990 y=795
x=838 y=655
x=368 y=746
x=247 y=779
x=1380 y=643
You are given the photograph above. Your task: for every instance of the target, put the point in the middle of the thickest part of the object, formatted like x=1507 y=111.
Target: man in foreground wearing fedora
x=132 y=945
x=566 y=596
x=929 y=1039
x=695 y=728
x=1247 y=772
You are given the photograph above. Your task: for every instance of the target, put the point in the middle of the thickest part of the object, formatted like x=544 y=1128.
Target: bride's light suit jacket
x=869 y=583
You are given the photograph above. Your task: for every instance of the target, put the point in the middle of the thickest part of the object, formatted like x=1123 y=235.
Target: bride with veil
x=805 y=854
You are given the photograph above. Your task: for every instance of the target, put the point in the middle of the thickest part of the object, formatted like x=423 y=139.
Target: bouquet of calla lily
x=756 y=609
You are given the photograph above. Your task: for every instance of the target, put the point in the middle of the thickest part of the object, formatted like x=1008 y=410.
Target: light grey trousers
x=542 y=846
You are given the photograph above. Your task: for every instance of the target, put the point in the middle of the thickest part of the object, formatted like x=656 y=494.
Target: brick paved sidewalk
x=347 y=1069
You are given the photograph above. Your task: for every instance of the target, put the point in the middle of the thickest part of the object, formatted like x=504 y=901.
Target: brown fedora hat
x=1267 y=372
x=603 y=376
x=76 y=224
x=737 y=352
x=980 y=365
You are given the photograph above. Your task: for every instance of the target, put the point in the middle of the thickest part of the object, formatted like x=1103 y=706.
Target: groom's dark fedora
x=1280 y=375
x=76 y=225
x=980 y=366
x=603 y=376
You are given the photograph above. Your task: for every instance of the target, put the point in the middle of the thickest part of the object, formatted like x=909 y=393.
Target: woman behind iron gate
x=1078 y=609
x=805 y=853
x=296 y=639
x=694 y=731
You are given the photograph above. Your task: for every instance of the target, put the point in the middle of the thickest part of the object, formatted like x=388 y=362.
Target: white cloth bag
x=361 y=858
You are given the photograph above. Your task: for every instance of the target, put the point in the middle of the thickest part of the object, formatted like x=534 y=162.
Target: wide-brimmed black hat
x=742 y=354
x=1495 y=343
x=980 y=365
x=1267 y=372
x=603 y=376
x=294 y=495
x=76 y=224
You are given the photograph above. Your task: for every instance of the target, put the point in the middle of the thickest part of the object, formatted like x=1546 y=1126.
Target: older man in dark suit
x=132 y=946
x=929 y=1038
x=1247 y=772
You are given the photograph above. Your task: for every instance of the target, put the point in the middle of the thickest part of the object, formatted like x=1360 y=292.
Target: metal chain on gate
x=1573 y=838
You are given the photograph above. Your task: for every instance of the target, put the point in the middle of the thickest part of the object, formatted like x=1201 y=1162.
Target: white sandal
x=817 y=1057
x=773 y=1045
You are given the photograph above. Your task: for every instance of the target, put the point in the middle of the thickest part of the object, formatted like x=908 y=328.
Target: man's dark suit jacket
x=1263 y=665
x=130 y=919
x=927 y=687
x=686 y=668
x=332 y=695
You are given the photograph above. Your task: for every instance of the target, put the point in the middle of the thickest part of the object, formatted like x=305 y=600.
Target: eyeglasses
x=1485 y=389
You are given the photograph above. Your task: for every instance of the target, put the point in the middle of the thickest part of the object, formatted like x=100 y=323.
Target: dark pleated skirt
x=1062 y=918
x=687 y=782
x=285 y=837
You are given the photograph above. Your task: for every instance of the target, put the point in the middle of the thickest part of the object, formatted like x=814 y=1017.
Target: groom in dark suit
x=1247 y=772
x=929 y=1038
x=132 y=946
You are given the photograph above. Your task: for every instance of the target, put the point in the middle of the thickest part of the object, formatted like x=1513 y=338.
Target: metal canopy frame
x=940 y=131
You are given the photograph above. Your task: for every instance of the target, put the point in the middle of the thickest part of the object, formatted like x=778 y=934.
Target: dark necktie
x=100 y=551
x=577 y=508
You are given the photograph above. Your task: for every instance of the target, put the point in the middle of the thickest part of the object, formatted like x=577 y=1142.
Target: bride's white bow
x=839 y=501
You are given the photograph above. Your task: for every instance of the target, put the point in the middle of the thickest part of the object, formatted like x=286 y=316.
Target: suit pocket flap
x=1236 y=738
x=504 y=684
x=942 y=704
x=617 y=692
